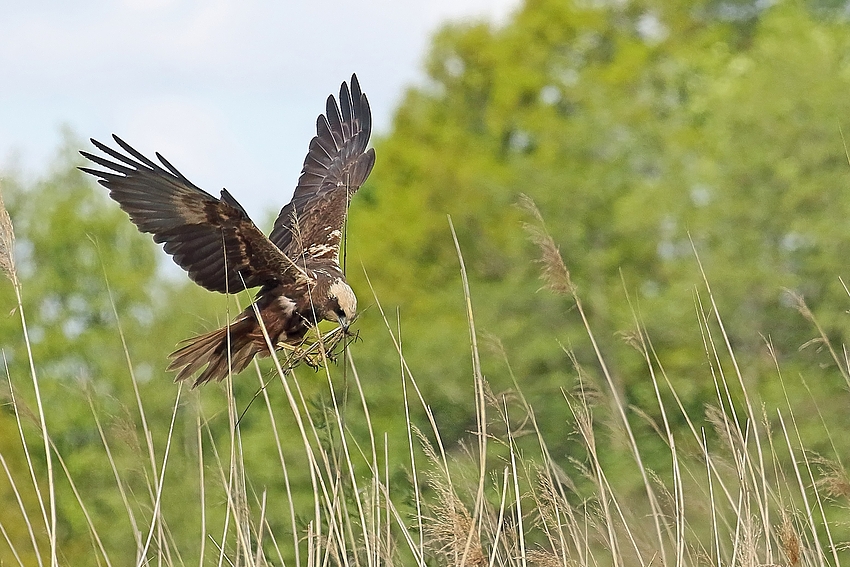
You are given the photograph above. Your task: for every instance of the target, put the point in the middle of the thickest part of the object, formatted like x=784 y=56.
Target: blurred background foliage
x=644 y=130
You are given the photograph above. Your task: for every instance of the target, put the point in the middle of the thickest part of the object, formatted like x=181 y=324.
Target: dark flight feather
x=201 y=233
x=336 y=166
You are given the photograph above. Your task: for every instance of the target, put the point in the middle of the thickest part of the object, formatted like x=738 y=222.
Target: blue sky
x=227 y=90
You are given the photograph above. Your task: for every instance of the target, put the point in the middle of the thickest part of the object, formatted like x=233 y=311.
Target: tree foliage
x=645 y=132
x=648 y=133
x=91 y=285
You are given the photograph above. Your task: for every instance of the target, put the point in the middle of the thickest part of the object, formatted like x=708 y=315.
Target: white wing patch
x=286 y=304
x=319 y=250
x=331 y=245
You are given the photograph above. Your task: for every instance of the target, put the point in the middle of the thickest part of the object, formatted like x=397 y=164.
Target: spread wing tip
x=355 y=84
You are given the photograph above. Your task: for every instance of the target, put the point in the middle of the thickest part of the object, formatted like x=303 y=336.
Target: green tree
x=91 y=285
x=80 y=262
x=635 y=127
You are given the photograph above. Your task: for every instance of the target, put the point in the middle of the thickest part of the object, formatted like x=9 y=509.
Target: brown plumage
x=296 y=267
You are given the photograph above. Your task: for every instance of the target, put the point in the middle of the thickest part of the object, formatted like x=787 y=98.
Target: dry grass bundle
x=317 y=348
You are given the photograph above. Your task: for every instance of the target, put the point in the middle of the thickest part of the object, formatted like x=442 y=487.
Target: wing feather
x=334 y=122
x=336 y=165
x=347 y=100
x=212 y=239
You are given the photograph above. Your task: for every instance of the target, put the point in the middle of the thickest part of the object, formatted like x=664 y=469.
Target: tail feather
x=210 y=350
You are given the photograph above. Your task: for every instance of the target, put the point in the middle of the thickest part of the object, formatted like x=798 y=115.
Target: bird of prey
x=296 y=267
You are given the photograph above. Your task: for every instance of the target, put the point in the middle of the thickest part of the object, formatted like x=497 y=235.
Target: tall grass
x=743 y=492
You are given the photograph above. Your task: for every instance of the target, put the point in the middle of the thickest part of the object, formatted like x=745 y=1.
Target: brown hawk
x=296 y=267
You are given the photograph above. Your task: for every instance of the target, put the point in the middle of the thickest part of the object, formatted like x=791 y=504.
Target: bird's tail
x=211 y=348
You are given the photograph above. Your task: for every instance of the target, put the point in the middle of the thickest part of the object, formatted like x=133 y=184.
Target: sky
x=227 y=90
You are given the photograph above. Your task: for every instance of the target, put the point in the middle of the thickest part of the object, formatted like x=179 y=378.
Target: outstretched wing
x=212 y=239
x=336 y=166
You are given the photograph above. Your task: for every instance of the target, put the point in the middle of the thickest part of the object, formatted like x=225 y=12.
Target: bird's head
x=341 y=304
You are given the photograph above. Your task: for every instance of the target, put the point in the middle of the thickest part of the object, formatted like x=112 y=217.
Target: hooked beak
x=343 y=322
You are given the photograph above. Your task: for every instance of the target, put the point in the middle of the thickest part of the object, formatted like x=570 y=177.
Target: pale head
x=342 y=304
